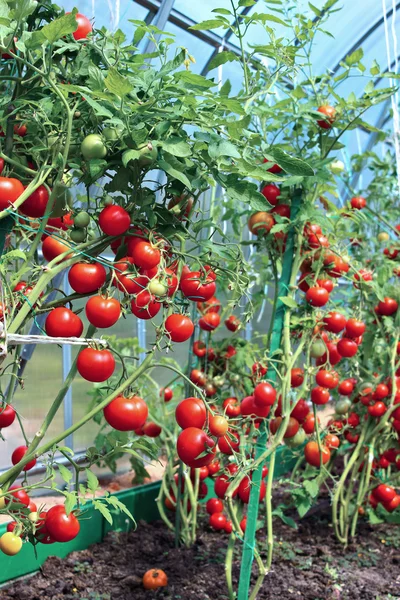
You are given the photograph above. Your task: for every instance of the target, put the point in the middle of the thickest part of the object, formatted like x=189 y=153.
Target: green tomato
x=317 y=349
x=78 y=235
x=218 y=381
x=342 y=407
x=112 y=134
x=296 y=440
x=82 y=219
x=93 y=147
x=235 y=377
x=157 y=288
x=337 y=167
x=147 y=155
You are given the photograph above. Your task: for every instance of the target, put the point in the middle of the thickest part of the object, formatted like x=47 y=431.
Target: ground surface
x=308 y=565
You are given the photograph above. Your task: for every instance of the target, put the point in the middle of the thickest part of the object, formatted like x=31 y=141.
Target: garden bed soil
x=309 y=564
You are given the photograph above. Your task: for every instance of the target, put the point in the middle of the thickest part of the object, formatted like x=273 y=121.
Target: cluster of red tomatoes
x=44 y=526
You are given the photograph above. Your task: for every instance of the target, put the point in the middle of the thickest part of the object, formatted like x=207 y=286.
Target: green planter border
x=140 y=500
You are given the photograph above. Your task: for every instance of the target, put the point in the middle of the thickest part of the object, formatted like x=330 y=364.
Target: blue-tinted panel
x=112 y=15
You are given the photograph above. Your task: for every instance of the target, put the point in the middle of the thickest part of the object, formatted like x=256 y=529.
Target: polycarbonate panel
x=112 y=14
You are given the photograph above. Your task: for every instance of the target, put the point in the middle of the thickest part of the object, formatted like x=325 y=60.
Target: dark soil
x=308 y=565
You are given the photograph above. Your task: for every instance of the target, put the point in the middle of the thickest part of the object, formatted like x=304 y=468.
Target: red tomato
x=330 y=113
x=393 y=504
x=346 y=387
x=19 y=496
x=144 y=305
x=85 y=278
x=63 y=222
x=384 y=493
x=62 y=322
x=300 y=410
x=292 y=427
x=213 y=468
x=10 y=191
x=331 y=441
x=179 y=327
x=19 y=454
x=312 y=456
x=387 y=307
x=209 y=321
x=309 y=424
x=167 y=394
x=271 y=192
x=282 y=210
x=327 y=379
x=114 y=220
x=102 y=312
x=264 y=394
x=126 y=414
x=198 y=377
x=211 y=305
x=7 y=415
x=145 y=255
x=317 y=296
x=35 y=205
x=249 y=408
x=229 y=443
x=232 y=407
x=95 y=365
x=191 y=412
x=53 y=247
x=197 y=287
x=151 y=429
x=326 y=284
x=217 y=521
x=214 y=505
x=244 y=490
x=274 y=169
x=84 y=27
x=347 y=348
x=1 y=165
x=296 y=377
x=199 y=349
x=193 y=442
x=381 y=392
x=355 y=328
x=232 y=323
x=377 y=410
x=61 y=527
x=358 y=202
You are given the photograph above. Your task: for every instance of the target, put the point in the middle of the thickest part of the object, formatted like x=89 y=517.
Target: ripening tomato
x=191 y=412
x=7 y=415
x=229 y=443
x=387 y=307
x=62 y=322
x=331 y=441
x=327 y=379
x=346 y=387
x=146 y=255
x=179 y=327
x=195 y=448
x=264 y=394
x=144 y=305
x=309 y=423
x=95 y=365
x=330 y=113
x=10 y=191
x=198 y=377
x=317 y=296
x=218 y=425
x=114 y=220
x=102 y=312
x=10 y=543
x=261 y=223
x=209 y=321
x=35 y=205
x=312 y=456
x=355 y=328
x=347 y=348
x=84 y=26
x=19 y=454
x=232 y=323
x=244 y=490
x=291 y=429
x=296 y=377
x=126 y=414
x=85 y=278
x=271 y=192
x=61 y=527
x=53 y=247
x=154 y=578
x=358 y=202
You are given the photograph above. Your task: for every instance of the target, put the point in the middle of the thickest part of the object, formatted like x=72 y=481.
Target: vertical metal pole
x=66 y=367
x=249 y=538
x=141 y=332
x=160 y=21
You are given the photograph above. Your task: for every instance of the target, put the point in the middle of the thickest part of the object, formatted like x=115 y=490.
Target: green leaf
x=65 y=473
x=246 y=3
x=354 y=57
x=23 y=9
x=312 y=487
x=13 y=255
x=315 y=10
x=59 y=28
x=288 y=301
x=113 y=500
x=194 y=80
x=375 y=68
x=98 y=108
x=176 y=146
x=221 y=11
x=117 y=84
x=221 y=58
x=69 y=502
x=129 y=155
x=290 y=164
x=175 y=169
x=139 y=34
x=226 y=88
x=278 y=512
x=264 y=17
x=244 y=191
x=4 y=10
x=100 y=506
x=93 y=482
x=209 y=24
x=223 y=148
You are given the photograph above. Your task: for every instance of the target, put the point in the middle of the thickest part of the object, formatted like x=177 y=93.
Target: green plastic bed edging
x=140 y=500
